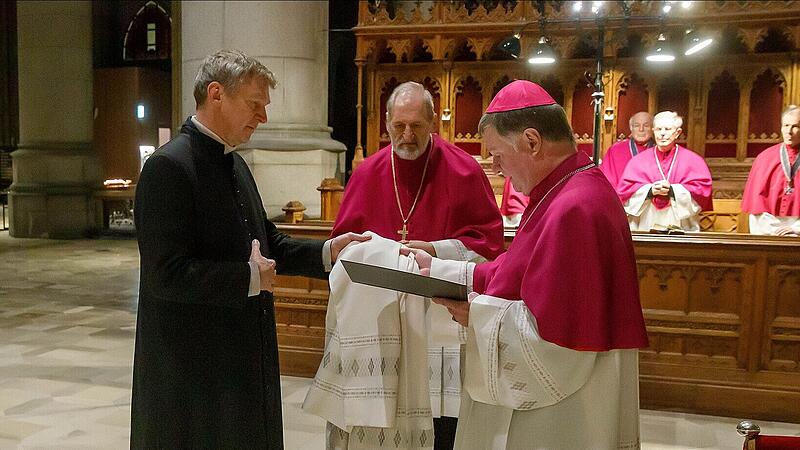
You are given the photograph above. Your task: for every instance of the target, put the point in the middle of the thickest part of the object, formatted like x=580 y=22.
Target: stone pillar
x=55 y=169
x=293 y=152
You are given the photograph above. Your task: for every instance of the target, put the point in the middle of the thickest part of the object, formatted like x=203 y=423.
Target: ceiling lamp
x=511 y=45
x=696 y=41
x=662 y=51
x=543 y=53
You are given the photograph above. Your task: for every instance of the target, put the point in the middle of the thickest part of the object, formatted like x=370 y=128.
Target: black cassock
x=205 y=371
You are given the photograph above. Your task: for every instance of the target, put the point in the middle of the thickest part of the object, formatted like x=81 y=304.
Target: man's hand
x=422 y=245
x=266 y=267
x=784 y=231
x=422 y=257
x=661 y=188
x=459 y=310
x=340 y=242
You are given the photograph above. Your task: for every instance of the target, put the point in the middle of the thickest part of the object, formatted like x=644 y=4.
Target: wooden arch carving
x=672 y=94
x=468 y=108
x=767 y=100
x=722 y=117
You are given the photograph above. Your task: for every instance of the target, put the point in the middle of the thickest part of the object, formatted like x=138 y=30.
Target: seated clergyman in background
x=429 y=194
x=551 y=355
x=618 y=155
x=772 y=193
x=512 y=205
x=666 y=186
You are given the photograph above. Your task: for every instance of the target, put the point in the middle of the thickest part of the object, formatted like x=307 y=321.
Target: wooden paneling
x=722 y=314
x=461 y=38
x=300 y=307
x=723 y=319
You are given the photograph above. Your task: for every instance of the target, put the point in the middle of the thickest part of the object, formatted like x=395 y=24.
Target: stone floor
x=67 y=317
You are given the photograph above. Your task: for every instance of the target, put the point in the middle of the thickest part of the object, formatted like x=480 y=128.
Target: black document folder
x=398 y=280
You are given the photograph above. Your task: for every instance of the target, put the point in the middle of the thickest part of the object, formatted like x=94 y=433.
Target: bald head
x=641 y=126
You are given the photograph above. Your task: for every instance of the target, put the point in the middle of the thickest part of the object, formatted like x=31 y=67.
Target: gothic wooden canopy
x=730 y=95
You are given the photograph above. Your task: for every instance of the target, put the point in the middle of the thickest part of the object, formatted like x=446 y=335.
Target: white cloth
x=512 y=220
x=525 y=392
x=766 y=223
x=444 y=351
x=372 y=383
x=682 y=212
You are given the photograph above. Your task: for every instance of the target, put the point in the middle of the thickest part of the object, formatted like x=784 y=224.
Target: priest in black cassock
x=205 y=372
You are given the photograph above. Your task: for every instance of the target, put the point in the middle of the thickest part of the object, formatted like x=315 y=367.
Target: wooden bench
x=727 y=217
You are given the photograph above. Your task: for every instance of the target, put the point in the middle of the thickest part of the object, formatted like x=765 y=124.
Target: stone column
x=55 y=169
x=293 y=152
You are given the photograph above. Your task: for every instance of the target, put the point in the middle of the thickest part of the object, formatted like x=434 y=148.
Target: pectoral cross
x=403 y=233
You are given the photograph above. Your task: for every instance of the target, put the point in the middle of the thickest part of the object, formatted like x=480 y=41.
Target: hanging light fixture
x=511 y=45
x=696 y=41
x=543 y=53
x=662 y=51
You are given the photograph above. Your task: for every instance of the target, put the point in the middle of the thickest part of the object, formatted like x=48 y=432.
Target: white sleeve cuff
x=453 y=249
x=255 y=280
x=684 y=205
x=326 y=256
x=455 y=271
x=445 y=332
x=766 y=223
x=470 y=270
x=635 y=205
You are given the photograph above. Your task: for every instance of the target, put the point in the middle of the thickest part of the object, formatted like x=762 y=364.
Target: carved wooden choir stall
x=722 y=308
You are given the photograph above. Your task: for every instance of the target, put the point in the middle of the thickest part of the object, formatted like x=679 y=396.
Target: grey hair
x=677 y=121
x=410 y=88
x=230 y=68
x=790 y=109
x=550 y=120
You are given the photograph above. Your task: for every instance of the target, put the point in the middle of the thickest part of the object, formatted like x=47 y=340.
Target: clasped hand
x=458 y=309
x=266 y=267
x=661 y=188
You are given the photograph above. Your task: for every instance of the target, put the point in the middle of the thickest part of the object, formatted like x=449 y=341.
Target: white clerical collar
x=207 y=131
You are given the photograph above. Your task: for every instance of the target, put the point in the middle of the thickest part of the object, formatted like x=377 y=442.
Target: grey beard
x=408 y=155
